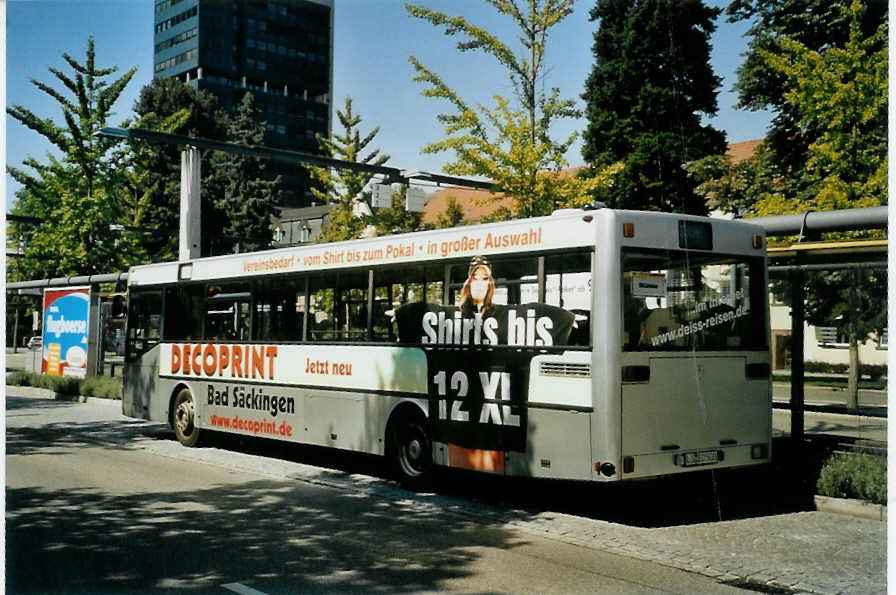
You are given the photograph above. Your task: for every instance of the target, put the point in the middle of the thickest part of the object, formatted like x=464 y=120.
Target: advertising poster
x=478 y=394
x=65 y=331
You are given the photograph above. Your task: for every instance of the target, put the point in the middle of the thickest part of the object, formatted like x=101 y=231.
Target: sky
x=372 y=42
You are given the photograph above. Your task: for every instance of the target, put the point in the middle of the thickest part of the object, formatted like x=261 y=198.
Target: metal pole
x=797 y=363
x=812 y=223
x=15 y=331
x=190 y=205
x=94 y=333
x=855 y=369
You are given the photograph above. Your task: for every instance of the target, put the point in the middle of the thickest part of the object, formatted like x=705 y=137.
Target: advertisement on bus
x=65 y=331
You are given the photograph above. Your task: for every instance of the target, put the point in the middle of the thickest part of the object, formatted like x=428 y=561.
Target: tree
x=452 y=216
x=396 y=218
x=77 y=197
x=815 y=24
x=511 y=143
x=840 y=94
x=822 y=67
x=249 y=201
x=832 y=106
x=651 y=84
x=344 y=187
x=162 y=98
x=853 y=301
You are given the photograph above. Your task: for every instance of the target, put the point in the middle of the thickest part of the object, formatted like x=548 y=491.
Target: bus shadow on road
x=708 y=496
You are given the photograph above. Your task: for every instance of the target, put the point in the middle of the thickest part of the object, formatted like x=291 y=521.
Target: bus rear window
x=685 y=301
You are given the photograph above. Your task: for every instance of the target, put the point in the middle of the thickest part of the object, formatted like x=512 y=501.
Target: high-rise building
x=279 y=50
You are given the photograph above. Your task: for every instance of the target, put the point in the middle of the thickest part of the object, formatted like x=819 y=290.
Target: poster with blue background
x=65 y=331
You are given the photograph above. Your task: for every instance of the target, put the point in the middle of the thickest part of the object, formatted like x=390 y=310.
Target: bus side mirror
x=119 y=307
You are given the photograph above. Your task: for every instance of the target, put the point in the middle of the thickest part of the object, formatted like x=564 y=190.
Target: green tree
x=344 y=187
x=452 y=216
x=651 y=85
x=160 y=99
x=510 y=143
x=841 y=94
x=78 y=197
x=822 y=67
x=738 y=188
x=396 y=218
x=832 y=108
x=816 y=24
x=133 y=161
x=249 y=201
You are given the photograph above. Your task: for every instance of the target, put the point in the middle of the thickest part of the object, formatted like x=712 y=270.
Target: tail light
x=758 y=370
x=759 y=451
x=636 y=373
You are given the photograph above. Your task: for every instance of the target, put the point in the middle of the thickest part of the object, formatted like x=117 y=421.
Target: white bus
x=591 y=345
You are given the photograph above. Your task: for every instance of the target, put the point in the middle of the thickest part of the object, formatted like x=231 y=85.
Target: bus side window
x=228 y=312
x=568 y=284
x=394 y=288
x=143 y=323
x=279 y=309
x=515 y=280
x=338 y=303
x=183 y=312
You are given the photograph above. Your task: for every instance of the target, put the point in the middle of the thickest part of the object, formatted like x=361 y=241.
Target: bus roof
x=564 y=230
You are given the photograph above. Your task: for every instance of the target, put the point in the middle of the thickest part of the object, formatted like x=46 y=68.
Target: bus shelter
x=845 y=270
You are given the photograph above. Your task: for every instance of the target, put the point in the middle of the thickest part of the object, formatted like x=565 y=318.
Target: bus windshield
x=675 y=300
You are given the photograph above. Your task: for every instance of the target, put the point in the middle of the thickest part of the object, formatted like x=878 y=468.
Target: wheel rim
x=412 y=452
x=183 y=417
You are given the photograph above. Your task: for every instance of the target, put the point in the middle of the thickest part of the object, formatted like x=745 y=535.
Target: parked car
x=35 y=343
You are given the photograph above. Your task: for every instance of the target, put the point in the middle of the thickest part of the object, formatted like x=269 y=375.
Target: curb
x=853 y=508
x=82 y=399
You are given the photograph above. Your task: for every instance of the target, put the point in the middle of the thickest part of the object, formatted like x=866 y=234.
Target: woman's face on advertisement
x=479 y=284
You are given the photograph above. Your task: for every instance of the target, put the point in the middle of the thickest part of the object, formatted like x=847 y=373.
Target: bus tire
x=183 y=418
x=410 y=451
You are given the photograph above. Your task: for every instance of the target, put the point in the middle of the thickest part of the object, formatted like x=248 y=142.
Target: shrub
x=859 y=476
x=102 y=387
x=875 y=371
x=19 y=378
x=94 y=386
x=65 y=385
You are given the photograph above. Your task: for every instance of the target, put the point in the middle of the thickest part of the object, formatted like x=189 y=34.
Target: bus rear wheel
x=410 y=452
x=183 y=418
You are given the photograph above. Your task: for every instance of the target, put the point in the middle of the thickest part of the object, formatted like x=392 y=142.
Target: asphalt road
x=829 y=396
x=96 y=502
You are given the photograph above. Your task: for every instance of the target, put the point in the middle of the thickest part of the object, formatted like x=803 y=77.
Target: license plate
x=693 y=459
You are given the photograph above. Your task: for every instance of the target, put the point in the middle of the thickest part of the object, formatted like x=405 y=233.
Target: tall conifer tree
x=249 y=201
x=343 y=187
x=651 y=85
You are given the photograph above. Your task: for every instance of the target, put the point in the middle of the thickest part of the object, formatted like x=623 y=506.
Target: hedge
x=94 y=386
x=860 y=476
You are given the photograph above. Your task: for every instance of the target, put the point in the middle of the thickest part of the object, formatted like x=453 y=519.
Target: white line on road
x=242 y=589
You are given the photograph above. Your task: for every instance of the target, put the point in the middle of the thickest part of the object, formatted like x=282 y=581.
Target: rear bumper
x=666 y=463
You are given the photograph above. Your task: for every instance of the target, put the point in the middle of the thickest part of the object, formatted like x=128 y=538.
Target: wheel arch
x=177 y=388
x=406 y=408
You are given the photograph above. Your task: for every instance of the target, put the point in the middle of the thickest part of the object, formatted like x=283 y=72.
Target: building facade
x=279 y=50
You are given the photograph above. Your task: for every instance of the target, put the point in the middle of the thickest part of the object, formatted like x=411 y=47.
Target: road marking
x=242 y=589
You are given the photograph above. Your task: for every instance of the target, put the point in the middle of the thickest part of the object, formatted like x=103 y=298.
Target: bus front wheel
x=410 y=451
x=183 y=418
